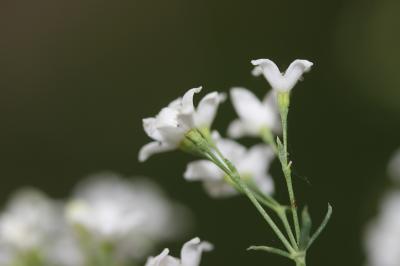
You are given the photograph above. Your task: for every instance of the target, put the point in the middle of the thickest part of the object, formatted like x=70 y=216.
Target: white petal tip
x=142 y=157
x=257 y=71
x=305 y=63
x=205 y=246
x=188 y=175
x=257 y=62
x=198 y=89
x=195 y=240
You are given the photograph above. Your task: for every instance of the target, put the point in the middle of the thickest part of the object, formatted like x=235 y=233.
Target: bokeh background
x=77 y=77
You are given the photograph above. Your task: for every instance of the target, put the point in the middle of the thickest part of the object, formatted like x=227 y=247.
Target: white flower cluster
x=32 y=226
x=171 y=126
x=382 y=239
x=113 y=221
x=382 y=236
x=131 y=216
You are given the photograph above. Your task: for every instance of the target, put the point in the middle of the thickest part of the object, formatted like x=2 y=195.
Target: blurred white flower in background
x=382 y=238
x=169 y=127
x=252 y=165
x=394 y=167
x=133 y=215
x=190 y=255
x=29 y=220
x=65 y=250
x=6 y=255
x=33 y=224
x=278 y=81
x=254 y=115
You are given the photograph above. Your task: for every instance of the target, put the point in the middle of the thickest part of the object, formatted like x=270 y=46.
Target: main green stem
x=287 y=172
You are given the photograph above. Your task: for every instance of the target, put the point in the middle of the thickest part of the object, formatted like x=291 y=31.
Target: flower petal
x=232 y=150
x=295 y=71
x=202 y=170
x=163 y=260
x=207 y=109
x=248 y=106
x=236 y=129
x=256 y=160
x=271 y=107
x=265 y=184
x=149 y=126
x=152 y=148
x=167 y=117
x=192 y=250
x=270 y=71
x=172 y=135
x=256 y=163
x=187 y=100
x=257 y=71
x=219 y=189
x=278 y=81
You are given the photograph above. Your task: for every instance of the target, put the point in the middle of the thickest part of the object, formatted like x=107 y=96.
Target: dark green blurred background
x=77 y=77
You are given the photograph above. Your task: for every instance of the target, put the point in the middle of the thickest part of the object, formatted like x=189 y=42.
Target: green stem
x=265 y=215
x=282 y=215
x=280 y=211
x=287 y=172
x=300 y=261
x=226 y=166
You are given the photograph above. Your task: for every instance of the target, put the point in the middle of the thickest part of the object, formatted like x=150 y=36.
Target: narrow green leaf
x=306 y=224
x=272 y=250
x=322 y=226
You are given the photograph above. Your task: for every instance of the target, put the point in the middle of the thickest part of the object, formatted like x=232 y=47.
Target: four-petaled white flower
x=252 y=165
x=382 y=239
x=254 y=115
x=169 y=127
x=278 y=81
x=131 y=214
x=190 y=255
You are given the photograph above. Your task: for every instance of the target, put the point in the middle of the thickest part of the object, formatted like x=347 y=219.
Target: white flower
x=134 y=215
x=252 y=164
x=190 y=255
x=169 y=127
x=34 y=223
x=6 y=255
x=65 y=250
x=394 y=166
x=278 y=81
x=30 y=221
x=254 y=115
x=382 y=239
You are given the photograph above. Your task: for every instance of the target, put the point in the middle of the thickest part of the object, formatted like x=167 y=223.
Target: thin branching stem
x=229 y=169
